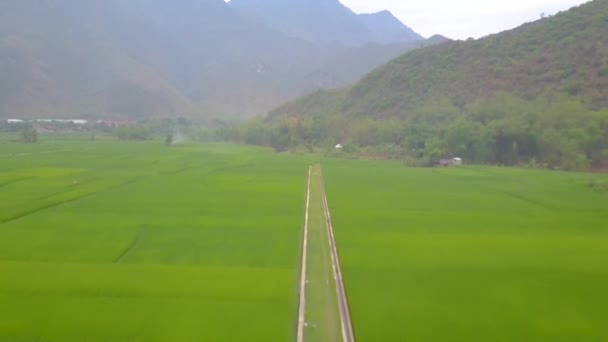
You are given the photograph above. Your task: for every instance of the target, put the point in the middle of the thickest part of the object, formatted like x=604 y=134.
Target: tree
x=137 y=132
x=29 y=135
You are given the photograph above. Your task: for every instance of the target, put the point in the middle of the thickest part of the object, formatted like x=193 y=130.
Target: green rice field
x=111 y=241
x=135 y=241
x=471 y=254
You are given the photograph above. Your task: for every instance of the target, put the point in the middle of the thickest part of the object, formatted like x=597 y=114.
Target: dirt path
x=302 y=304
x=323 y=310
x=346 y=323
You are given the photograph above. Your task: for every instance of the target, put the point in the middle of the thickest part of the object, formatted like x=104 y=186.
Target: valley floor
x=472 y=253
x=112 y=241
x=122 y=241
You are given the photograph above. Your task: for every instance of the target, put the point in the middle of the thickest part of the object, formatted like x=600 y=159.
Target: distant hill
x=535 y=94
x=56 y=61
x=318 y=21
x=134 y=58
x=387 y=29
x=156 y=58
x=327 y=22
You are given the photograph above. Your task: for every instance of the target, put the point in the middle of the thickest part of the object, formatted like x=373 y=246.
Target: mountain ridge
x=327 y=22
x=324 y=22
x=387 y=29
x=152 y=58
x=536 y=94
x=438 y=62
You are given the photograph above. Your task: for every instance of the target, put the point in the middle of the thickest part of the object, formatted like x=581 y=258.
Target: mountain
x=46 y=66
x=155 y=58
x=318 y=21
x=137 y=58
x=387 y=29
x=535 y=94
x=327 y=22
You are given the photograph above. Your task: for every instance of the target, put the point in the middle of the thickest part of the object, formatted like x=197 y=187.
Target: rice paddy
x=114 y=241
x=110 y=241
x=471 y=254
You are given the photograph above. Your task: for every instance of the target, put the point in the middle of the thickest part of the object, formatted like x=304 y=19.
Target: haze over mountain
x=537 y=93
x=386 y=28
x=156 y=58
x=326 y=22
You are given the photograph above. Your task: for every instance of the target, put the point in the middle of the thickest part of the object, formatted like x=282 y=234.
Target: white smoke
x=178 y=137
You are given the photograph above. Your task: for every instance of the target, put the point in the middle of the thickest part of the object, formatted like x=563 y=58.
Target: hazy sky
x=461 y=19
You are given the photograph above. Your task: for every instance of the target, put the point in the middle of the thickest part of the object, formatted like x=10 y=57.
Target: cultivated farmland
x=109 y=241
x=471 y=254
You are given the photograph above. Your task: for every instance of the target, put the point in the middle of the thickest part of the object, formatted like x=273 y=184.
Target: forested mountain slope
x=156 y=58
x=537 y=94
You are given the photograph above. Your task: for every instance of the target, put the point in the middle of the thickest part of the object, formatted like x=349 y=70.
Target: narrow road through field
x=347 y=327
x=323 y=310
x=302 y=304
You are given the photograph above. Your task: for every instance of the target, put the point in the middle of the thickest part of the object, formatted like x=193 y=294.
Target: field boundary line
x=44 y=207
x=302 y=303
x=14 y=181
x=528 y=200
x=131 y=246
x=52 y=205
x=345 y=320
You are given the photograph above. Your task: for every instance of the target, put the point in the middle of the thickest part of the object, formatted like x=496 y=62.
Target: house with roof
x=450 y=162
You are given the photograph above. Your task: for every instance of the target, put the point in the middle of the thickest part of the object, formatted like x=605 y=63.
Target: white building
x=450 y=162
x=74 y=121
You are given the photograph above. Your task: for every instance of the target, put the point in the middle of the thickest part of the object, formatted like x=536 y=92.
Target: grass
x=111 y=241
x=471 y=254
x=322 y=312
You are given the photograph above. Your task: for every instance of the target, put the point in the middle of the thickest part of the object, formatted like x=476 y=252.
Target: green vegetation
x=29 y=135
x=471 y=254
x=26 y=132
x=599 y=185
x=108 y=234
x=534 y=96
x=136 y=132
x=109 y=240
x=322 y=312
x=112 y=241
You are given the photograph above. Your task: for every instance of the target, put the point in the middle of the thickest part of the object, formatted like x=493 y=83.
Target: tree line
x=553 y=131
